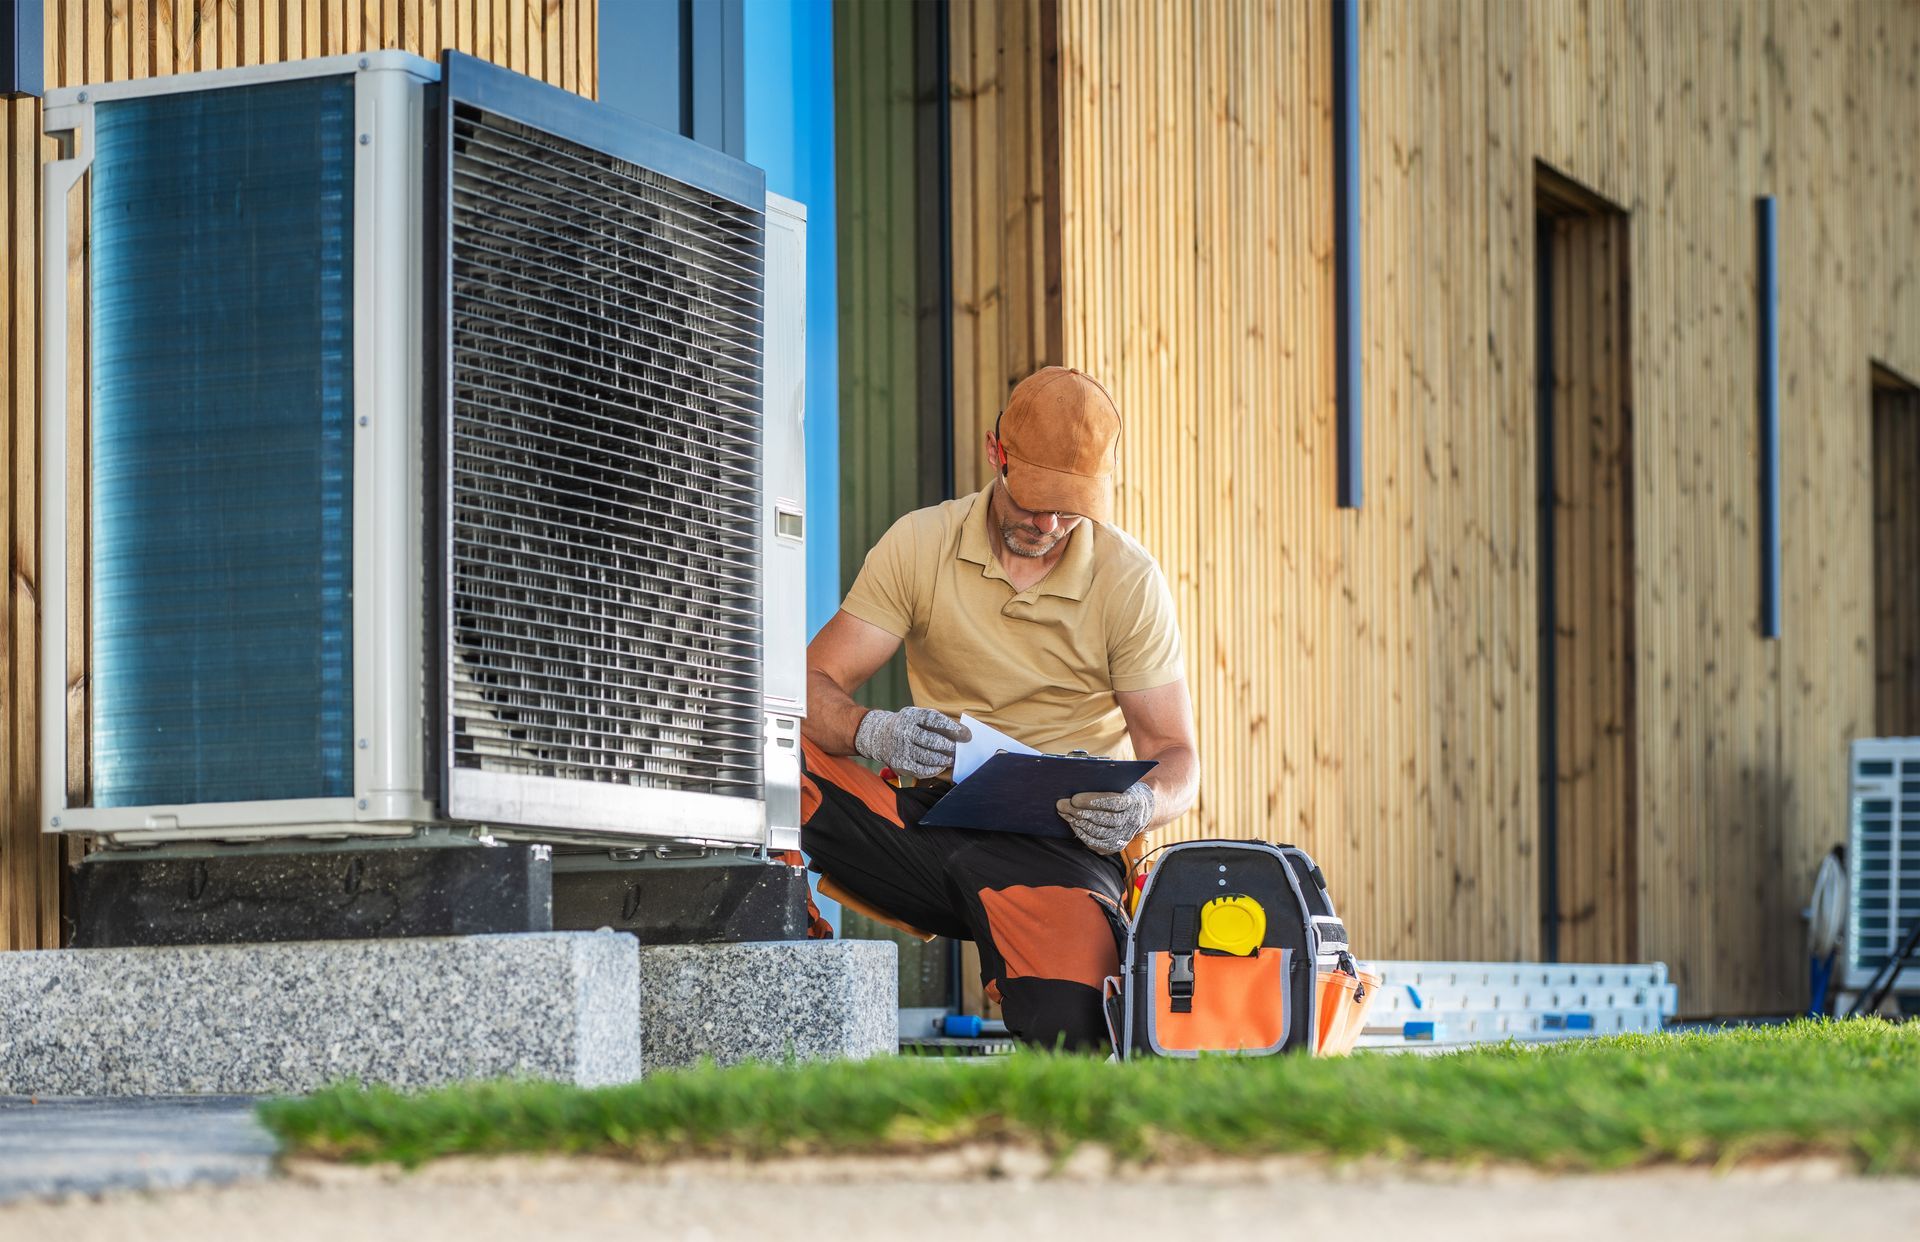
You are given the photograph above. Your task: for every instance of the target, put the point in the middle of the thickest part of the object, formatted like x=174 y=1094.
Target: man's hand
x=1106 y=822
x=914 y=741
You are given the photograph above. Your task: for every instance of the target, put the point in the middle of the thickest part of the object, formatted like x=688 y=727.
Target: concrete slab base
x=270 y=1018
x=55 y=1147
x=768 y=1001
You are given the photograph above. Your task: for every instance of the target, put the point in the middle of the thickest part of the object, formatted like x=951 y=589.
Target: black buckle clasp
x=1180 y=982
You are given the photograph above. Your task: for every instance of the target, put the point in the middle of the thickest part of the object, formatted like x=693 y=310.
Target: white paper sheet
x=985 y=743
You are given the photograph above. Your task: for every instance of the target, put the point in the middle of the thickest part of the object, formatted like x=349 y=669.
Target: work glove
x=914 y=741
x=1106 y=822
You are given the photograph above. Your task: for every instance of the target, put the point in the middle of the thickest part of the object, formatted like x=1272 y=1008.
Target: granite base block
x=289 y=1017
x=807 y=1000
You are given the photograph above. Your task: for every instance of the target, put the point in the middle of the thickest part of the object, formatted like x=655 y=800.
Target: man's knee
x=1050 y=932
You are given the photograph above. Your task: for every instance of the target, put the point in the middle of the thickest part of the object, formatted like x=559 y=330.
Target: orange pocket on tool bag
x=1239 y=1004
x=1356 y=1022
x=1343 y=1009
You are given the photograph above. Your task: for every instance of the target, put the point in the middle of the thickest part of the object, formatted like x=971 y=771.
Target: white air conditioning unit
x=443 y=458
x=1883 y=859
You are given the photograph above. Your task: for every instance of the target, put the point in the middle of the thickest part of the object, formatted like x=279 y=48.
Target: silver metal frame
x=387 y=800
x=391 y=698
x=784 y=478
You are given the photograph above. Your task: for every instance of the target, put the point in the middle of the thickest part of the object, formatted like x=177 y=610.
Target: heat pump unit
x=1883 y=858
x=441 y=459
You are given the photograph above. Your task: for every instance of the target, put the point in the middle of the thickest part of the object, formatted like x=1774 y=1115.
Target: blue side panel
x=222 y=256
x=22 y=48
x=1347 y=255
x=640 y=60
x=789 y=105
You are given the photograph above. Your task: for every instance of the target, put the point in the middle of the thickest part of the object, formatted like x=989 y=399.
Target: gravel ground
x=983 y=1195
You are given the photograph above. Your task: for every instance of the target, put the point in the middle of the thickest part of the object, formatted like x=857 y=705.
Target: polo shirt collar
x=1070 y=576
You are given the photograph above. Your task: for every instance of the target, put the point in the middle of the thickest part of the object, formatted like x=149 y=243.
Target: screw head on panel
x=56 y=821
x=364 y=62
x=363 y=804
x=83 y=97
x=363 y=743
x=366 y=140
x=363 y=420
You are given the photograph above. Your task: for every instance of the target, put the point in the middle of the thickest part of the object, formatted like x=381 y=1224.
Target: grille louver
x=605 y=468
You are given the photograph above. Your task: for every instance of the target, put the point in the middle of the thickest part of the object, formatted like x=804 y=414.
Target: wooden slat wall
x=1005 y=259
x=892 y=415
x=1366 y=680
x=112 y=40
x=29 y=864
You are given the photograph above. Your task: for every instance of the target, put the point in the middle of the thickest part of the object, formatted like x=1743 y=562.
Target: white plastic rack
x=1427 y=1006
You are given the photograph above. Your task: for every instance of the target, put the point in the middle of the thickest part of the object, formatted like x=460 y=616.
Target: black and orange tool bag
x=1233 y=947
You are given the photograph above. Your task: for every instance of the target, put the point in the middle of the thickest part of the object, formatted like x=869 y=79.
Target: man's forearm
x=1175 y=782
x=832 y=715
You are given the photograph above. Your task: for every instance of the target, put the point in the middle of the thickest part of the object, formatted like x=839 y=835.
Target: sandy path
x=951 y=1199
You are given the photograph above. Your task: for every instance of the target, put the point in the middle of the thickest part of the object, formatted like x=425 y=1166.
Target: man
x=1025 y=607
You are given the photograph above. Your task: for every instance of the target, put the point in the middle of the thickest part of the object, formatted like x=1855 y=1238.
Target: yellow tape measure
x=1233 y=924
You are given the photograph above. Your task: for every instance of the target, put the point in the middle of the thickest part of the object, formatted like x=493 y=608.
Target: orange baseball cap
x=1058 y=433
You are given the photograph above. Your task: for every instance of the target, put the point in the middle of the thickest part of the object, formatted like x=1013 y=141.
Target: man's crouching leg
x=855 y=831
x=1046 y=943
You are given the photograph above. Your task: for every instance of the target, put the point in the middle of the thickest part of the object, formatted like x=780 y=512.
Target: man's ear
x=994 y=457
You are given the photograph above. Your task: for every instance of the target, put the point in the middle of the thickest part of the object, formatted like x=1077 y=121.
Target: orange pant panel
x=1051 y=932
x=880 y=798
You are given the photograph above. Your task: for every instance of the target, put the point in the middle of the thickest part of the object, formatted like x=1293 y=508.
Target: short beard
x=1028 y=551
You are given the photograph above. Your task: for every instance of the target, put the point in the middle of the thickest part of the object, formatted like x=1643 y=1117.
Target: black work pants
x=1030 y=903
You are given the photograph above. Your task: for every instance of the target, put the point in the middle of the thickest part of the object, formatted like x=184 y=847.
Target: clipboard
x=1016 y=793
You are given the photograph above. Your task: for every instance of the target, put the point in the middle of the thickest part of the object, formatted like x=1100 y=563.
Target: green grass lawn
x=1850 y=1089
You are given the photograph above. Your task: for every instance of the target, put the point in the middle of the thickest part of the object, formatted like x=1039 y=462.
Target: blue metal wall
x=789 y=116
x=682 y=64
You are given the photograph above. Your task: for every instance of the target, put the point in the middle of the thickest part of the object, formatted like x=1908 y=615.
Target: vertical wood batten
x=1002 y=299
x=15 y=846
x=1377 y=703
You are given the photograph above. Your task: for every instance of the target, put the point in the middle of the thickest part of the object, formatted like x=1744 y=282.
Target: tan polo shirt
x=1042 y=664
